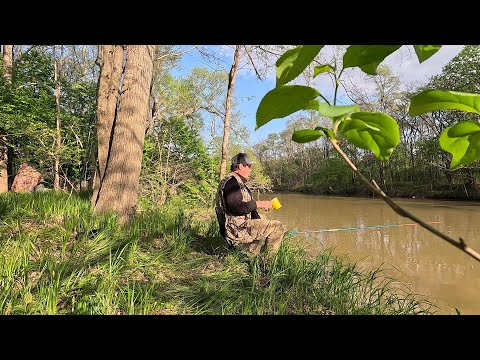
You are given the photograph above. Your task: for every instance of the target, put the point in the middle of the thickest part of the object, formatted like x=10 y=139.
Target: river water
x=429 y=265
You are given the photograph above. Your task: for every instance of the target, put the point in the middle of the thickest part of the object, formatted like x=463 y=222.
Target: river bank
x=57 y=257
x=415 y=191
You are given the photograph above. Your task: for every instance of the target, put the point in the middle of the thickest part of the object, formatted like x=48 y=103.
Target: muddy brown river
x=429 y=265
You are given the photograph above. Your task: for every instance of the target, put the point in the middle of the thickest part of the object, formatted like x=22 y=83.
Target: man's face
x=245 y=170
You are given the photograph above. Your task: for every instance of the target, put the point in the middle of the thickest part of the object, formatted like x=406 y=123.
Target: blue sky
x=249 y=90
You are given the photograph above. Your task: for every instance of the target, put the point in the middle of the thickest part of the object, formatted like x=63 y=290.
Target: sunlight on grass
x=57 y=257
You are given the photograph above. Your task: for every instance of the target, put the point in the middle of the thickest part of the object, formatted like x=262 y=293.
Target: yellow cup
x=276 y=204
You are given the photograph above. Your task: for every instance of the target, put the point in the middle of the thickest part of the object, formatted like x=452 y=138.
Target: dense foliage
x=176 y=162
x=178 y=159
x=419 y=166
x=28 y=111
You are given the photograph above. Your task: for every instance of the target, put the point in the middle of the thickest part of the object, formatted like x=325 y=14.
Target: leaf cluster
x=374 y=131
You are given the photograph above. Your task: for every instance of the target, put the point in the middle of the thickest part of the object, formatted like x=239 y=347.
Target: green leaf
x=367 y=57
x=328 y=132
x=432 y=100
x=370 y=69
x=321 y=69
x=312 y=105
x=307 y=135
x=425 y=51
x=294 y=61
x=333 y=111
x=283 y=101
x=462 y=140
x=372 y=131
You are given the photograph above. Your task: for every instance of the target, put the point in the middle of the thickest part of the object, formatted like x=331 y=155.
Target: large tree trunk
x=118 y=190
x=8 y=63
x=112 y=57
x=228 y=110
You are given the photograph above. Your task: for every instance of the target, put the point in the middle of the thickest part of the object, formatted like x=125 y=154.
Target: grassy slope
x=56 y=257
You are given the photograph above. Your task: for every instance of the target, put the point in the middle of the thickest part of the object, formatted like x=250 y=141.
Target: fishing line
x=355 y=228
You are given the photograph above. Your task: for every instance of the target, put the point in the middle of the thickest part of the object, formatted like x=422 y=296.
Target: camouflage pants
x=256 y=233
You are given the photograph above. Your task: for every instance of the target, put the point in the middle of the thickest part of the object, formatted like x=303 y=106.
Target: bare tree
x=228 y=110
x=254 y=53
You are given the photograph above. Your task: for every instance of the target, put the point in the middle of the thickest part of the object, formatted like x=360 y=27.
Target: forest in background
x=50 y=101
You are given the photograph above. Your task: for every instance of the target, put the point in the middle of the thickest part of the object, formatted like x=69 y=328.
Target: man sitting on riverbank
x=240 y=224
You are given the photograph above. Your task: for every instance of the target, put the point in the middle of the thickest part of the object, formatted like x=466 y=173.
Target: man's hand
x=266 y=205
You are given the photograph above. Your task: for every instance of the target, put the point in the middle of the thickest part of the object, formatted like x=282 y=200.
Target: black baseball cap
x=242 y=158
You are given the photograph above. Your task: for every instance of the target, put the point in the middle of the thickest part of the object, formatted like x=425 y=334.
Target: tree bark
x=119 y=184
x=112 y=57
x=228 y=110
x=8 y=63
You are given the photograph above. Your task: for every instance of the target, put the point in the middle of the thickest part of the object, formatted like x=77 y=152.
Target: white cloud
x=406 y=66
x=403 y=63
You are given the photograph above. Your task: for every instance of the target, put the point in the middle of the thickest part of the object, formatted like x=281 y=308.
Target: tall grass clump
x=294 y=284
x=58 y=257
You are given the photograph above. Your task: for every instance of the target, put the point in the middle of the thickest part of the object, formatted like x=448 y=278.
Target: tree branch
x=402 y=212
x=212 y=110
x=269 y=51
x=251 y=60
x=176 y=54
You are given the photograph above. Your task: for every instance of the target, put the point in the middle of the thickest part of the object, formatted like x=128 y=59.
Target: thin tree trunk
x=10 y=166
x=84 y=63
x=162 y=168
x=119 y=186
x=112 y=57
x=90 y=161
x=58 y=70
x=153 y=106
x=8 y=63
x=94 y=143
x=381 y=172
x=412 y=161
x=3 y=163
x=228 y=110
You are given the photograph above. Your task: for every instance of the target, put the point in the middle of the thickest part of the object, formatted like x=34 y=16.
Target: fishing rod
x=355 y=228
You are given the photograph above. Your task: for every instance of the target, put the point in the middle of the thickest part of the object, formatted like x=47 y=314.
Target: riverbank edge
x=59 y=258
x=415 y=192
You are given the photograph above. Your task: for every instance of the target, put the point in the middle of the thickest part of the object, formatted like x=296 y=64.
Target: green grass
x=57 y=257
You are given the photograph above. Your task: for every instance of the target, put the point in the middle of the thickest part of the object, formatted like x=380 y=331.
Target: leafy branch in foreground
x=373 y=131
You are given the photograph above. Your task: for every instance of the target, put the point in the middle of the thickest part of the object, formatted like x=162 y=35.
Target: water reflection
x=449 y=277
